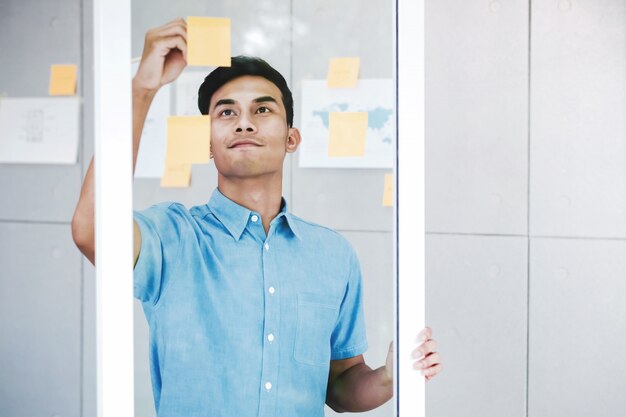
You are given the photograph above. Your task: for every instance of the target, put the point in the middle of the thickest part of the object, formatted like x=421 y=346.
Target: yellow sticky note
x=208 y=41
x=388 y=193
x=343 y=72
x=188 y=140
x=346 y=133
x=62 y=80
x=176 y=175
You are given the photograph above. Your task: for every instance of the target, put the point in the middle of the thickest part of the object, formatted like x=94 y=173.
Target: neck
x=260 y=194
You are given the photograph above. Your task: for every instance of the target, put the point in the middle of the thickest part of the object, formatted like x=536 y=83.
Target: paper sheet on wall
x=187 y=86
x=374 y=96
x=63 y=80
x=343 y=72
x=39 y=130
x=388 y=191
x=188 y=140
x=347 y=131
x=151 y=156
x=208 y=41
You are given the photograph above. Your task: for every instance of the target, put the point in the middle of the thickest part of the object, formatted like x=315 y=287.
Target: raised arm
x=163 y=59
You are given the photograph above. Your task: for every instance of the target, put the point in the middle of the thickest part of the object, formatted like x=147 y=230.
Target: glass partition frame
x=113 y=208
x=409 y=224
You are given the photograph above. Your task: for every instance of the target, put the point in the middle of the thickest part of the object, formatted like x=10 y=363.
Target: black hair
x=240 y=66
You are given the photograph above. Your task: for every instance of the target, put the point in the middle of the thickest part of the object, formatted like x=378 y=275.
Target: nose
x=244 y=123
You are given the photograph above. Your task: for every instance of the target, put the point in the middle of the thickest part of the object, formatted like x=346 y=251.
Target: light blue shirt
x=242 y=323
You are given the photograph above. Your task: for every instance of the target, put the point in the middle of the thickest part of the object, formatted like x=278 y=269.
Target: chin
x=242 y=168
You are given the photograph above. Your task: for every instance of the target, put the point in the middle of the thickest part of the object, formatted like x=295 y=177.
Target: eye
x=227 y=112
x=263 y=109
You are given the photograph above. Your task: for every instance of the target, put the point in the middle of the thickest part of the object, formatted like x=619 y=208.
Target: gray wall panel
x=37 y=192
x=476 y=58
x=577 y=323
x=89 y=364
x=324 y=29
x=578 y=169
x=476 y=294
x=40 y=321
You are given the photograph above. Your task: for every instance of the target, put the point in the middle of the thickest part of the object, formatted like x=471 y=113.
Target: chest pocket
x=317 y=316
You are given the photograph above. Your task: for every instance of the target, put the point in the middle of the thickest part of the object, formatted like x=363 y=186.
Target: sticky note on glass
x=346 y=133
x=208 y=41
x=388 y=193
x=176 y=175
x=62 y=80
x=188 y=140
x=343 y=72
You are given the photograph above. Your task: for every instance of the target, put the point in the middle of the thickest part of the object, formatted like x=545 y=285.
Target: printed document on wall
x=151 y=155
x=186 y=86
x=39 y=130
x=374 y=96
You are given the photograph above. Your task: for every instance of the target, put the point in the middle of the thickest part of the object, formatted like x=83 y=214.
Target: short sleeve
x=160 y=227
x=349 y=338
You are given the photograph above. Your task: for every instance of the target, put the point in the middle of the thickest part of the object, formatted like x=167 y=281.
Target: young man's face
x=249 y=132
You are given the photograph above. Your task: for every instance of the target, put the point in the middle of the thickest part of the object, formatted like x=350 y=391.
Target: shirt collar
x=235 y=217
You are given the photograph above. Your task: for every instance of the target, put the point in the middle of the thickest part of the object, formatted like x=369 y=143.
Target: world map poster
x=374 y=96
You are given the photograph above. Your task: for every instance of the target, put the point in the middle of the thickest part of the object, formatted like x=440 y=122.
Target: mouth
x=243 y=143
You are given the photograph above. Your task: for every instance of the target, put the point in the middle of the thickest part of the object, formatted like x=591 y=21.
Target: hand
x=430 y=364
x=164 y=56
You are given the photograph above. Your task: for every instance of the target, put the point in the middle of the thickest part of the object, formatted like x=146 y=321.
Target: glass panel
x=239 y=319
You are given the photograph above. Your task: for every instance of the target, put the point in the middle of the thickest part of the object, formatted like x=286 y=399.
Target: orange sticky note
x=388 y=193
x=208 y=41
x=346 y=133
x=188 y=140
x=176 y=175
x=343 y=72
x=62 y=80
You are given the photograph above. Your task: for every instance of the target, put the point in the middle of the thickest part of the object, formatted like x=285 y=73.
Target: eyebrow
x=224 y=101
x=230 y=101
x=265 y=99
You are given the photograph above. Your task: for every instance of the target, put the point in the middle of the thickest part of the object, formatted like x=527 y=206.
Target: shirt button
x=271 y=290
x=270 y=337
x=268 y=386
x=254 y=217
x=267 y=246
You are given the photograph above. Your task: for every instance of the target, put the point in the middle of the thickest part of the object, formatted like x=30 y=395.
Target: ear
x=293 y=140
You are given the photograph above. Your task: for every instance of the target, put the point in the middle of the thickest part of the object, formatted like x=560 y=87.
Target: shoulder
x=322 y=235
x=166 y=207
x=167 y=212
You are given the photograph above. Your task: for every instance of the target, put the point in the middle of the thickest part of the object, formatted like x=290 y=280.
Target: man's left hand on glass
x=427 y=360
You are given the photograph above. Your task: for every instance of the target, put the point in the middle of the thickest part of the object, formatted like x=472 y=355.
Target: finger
x=425 y=334
x=425 y=348
x=173 y=31
x=432 y=371
x=176 y=22
x=428 y=361
x=174 y=42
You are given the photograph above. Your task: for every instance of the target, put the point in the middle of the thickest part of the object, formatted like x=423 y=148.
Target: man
x=252 y=310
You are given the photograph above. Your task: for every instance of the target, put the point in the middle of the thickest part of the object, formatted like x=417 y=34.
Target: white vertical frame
x=113 y=208
x=409 y=224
